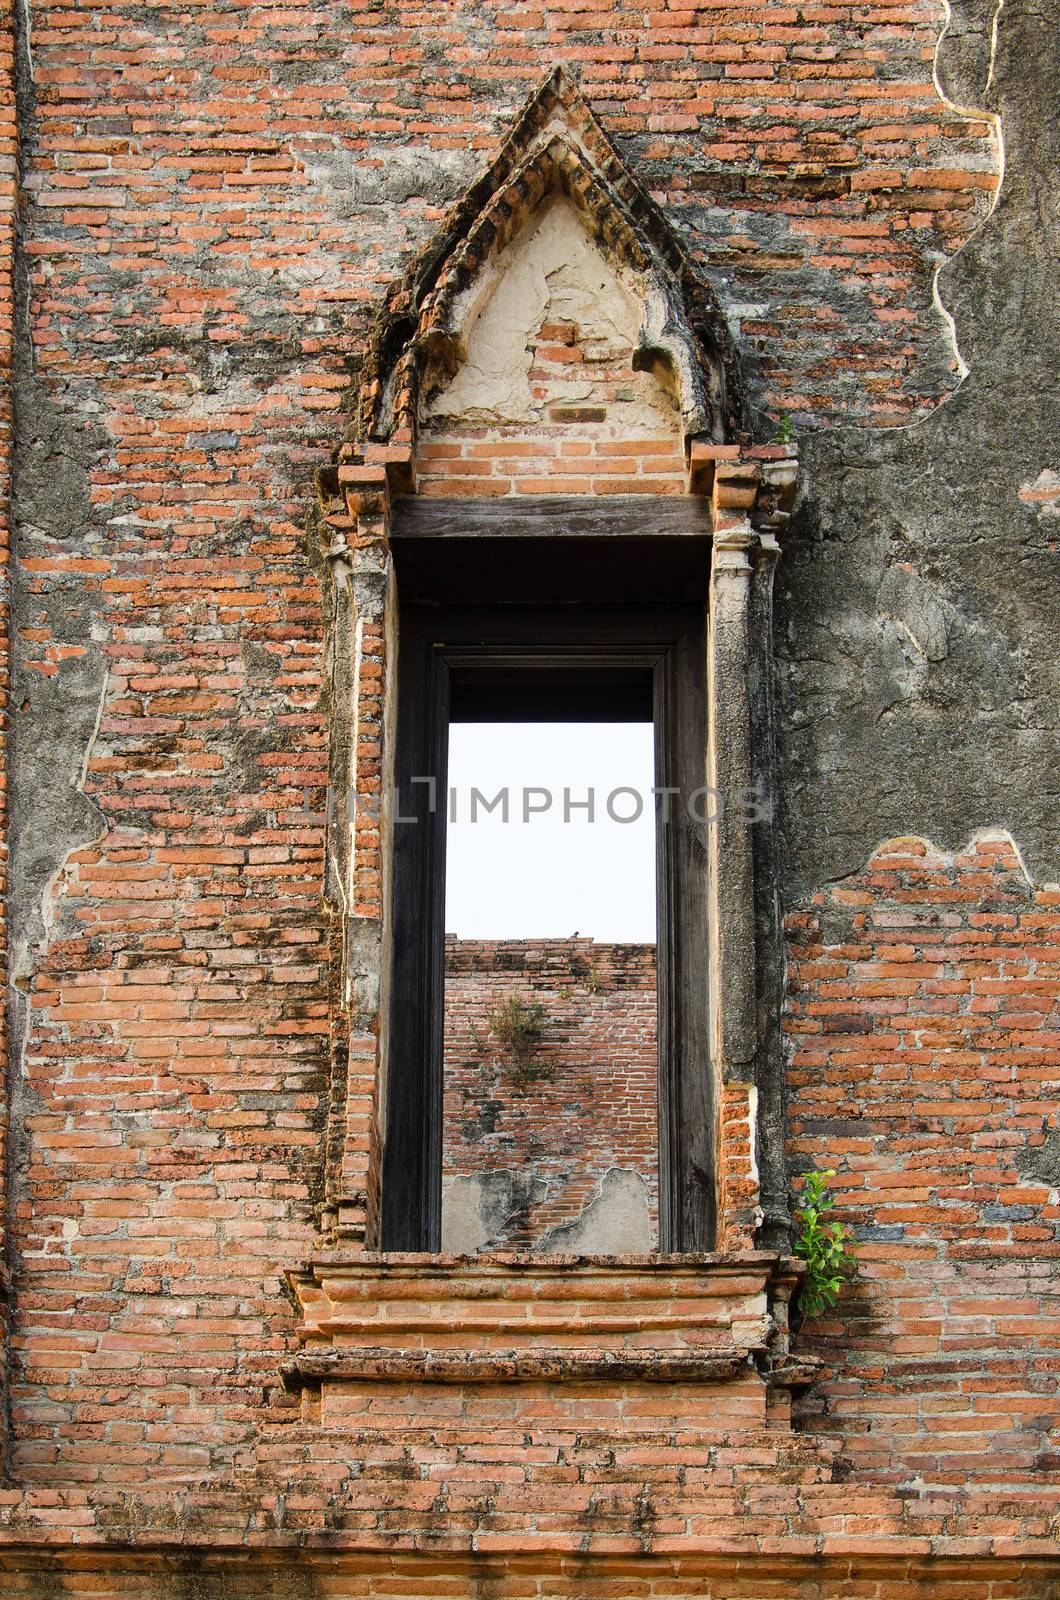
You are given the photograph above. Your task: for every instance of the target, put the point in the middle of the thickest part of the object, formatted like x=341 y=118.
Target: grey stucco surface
x=918 y=600
x=54 y=717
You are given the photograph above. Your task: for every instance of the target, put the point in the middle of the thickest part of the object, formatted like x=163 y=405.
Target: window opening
x=532 y=663
x=550 y=1115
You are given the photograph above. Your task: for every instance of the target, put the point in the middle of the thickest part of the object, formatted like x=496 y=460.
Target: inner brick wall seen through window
x=564 y=1158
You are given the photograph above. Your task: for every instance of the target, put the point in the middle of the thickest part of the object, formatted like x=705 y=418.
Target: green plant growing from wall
x=824 y=1246
x=518 y=1026
x=588 y=974
x=785 y=430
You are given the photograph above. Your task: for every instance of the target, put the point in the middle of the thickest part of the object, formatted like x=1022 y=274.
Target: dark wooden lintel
x=553 y=516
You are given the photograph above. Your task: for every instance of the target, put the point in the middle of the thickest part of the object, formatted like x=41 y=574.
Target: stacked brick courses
x=213 y=201
x=924 y=1019
x=597 y=1109
x=551 y=462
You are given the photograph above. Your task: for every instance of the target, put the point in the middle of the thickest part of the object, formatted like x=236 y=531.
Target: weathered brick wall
x=924 y=1021
x=171 y=1102
x=576 y=1121
x=550 y=463
x=212 y=201
x=8 y=212
x=810 y=159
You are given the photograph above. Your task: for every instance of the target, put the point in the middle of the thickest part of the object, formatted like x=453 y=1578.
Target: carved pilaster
x=751 y=495
x=355 y=498
x=774 y=1223
x=729 y=774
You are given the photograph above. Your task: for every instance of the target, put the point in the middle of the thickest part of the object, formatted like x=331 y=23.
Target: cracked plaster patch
x=478 y=1207
x=910 y=601
x=616 y=1221
x=552 y=274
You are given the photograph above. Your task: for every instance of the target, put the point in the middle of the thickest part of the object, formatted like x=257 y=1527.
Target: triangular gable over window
x=555 y=149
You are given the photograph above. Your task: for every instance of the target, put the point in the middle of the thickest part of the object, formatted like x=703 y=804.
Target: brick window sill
x=512 y=1318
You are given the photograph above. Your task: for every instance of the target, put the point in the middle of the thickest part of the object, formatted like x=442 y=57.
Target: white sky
x=546 y=877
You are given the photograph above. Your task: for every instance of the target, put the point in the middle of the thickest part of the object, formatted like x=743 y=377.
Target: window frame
x=602 y=647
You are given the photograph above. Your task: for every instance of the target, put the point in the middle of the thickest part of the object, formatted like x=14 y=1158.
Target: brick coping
x=439 y=1263
x=519 y=1319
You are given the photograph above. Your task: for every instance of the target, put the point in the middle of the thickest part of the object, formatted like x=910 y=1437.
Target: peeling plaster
x=57 y=714
x=1042 y=493
x=477 y=1208
x=944 y=46
x=878 y=733
x=25 y=30
x=911 y=602
x=950 y=325
x=49 y=902
x=551 y=272
x=616 y=1221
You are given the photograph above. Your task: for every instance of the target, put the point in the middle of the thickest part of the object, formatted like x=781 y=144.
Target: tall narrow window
x=548 y=445
x=506 y=1147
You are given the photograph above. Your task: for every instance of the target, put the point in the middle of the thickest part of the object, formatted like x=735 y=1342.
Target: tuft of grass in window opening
x=518 y=1026
x=825 y=1246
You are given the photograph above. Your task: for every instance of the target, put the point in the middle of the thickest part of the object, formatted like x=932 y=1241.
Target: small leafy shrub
x=824 y=1246
x=518 y=1026
x=785 y=433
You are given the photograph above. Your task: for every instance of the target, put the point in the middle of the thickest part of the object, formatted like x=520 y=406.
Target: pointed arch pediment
x=555 y=150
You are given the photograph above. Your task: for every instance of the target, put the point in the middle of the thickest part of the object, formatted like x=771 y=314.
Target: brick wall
x=589 y=1105
x=211 y=203
x=925 y=1033
x=8 y=224
x=552 y=462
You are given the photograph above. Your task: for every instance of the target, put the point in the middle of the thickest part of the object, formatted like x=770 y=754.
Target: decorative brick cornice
x=753 y=487
x=354 y=495
x=513 y=1366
